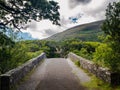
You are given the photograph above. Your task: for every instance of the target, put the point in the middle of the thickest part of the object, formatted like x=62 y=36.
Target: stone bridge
x=41 y=73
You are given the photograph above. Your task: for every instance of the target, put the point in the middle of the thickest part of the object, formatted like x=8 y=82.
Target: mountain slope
x=85 y=32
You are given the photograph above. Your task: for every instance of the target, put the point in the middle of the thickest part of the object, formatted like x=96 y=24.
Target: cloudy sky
x=72 y=13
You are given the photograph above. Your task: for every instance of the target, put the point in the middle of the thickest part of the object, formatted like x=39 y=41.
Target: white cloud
x=92 y=10
x=42 y=29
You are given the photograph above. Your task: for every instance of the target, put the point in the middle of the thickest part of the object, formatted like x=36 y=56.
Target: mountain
x=17 y=35
x=85 y=32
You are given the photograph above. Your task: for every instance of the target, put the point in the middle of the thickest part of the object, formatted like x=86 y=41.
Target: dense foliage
x=108 y=54
x=20 y=52
x=16 y=13
x=84 y=49
x=111 y=25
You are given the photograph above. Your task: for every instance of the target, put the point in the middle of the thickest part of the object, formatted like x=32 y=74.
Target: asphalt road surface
x=55 y=74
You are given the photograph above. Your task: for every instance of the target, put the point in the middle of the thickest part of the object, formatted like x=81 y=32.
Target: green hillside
x=85 y=32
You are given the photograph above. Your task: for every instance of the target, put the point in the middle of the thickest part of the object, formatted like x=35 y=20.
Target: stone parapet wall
x=13 y=76
x=102 y=73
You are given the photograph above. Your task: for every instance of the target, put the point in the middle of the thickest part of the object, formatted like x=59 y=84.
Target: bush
x=106 y=57
x=109 y=54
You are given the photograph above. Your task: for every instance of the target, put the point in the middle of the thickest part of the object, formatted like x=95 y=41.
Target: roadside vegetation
x=105 y=53
x=16 y=53
x=97 y=84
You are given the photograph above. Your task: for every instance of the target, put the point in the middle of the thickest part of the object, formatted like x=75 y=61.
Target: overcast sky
x=72 y=13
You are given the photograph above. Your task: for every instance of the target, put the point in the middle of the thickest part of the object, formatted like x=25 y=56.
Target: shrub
x=106 y=57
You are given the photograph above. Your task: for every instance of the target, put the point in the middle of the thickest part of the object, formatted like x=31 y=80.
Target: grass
x=77 y=63
x=96 y=83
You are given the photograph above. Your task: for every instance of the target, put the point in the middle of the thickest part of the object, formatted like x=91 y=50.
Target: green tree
x=16 y=13
x=106 y=56
x=109 y=54
x=5 y=46
x=111 y=25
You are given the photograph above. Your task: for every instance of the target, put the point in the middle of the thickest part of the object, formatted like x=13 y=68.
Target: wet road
x=54 y=74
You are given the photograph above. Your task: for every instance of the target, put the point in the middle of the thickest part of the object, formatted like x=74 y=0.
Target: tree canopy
x=5 y=40
x=108 y=54
x=111 y=25
x=16 y=13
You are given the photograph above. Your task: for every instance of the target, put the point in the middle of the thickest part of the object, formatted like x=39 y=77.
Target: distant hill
x=17 y=35
x=85 y=32
x=25 y=36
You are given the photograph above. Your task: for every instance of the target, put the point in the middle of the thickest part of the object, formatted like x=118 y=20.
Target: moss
x=77 y=63
x=96 y=83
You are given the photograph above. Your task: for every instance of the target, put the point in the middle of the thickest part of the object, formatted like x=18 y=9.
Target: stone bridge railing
x=13 y=76
x=102 y=73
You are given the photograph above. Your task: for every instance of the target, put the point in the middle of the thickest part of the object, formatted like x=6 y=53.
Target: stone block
x=103 y=73
x=13 y=76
